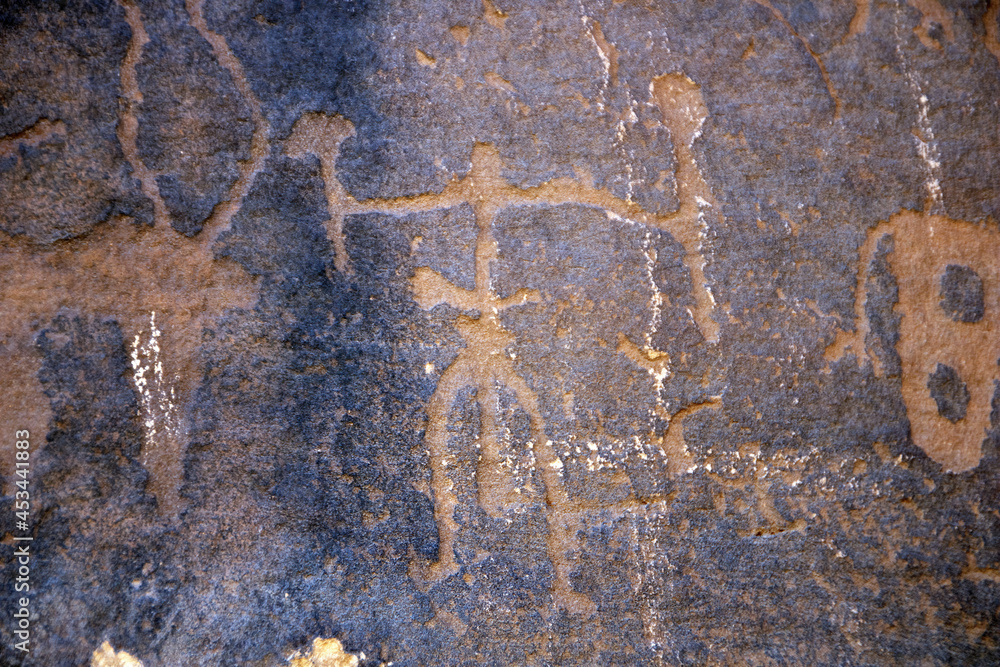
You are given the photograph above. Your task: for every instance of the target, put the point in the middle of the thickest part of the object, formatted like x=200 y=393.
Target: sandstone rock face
x=421 y=332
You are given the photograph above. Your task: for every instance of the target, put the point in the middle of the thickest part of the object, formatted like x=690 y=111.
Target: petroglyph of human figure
x=161 y=287
x=948 y=272
x=483 y=363
x=684 y=112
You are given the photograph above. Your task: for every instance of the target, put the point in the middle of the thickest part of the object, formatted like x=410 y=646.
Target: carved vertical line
x=992 y=38
x=442 y=487
x=856 y=341
x=128 y=122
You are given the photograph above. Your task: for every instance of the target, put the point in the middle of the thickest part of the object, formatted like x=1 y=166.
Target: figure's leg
x=562 y=519
x=436 y=439
x=495 y=492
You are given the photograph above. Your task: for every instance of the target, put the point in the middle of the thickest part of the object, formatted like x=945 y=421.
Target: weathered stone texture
x=61 y=168
x=548 y=333
x=193 y=126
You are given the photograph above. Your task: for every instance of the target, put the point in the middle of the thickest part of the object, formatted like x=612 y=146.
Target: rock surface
x=545 y=333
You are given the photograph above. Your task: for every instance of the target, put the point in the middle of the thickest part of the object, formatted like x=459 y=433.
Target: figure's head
x=318 y=134
x=681 y=104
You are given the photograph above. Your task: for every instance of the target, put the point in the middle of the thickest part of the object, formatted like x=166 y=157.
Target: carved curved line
x=819 y=61
x=42 y=131
x=224 y=211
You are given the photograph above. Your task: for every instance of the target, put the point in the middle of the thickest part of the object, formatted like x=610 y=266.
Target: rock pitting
x=565 y=333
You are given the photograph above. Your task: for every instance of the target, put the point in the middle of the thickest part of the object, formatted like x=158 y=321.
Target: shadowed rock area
x=421 y=332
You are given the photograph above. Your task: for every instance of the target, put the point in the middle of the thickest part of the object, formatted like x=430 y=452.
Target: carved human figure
x=162 y=287
x=483 y=362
